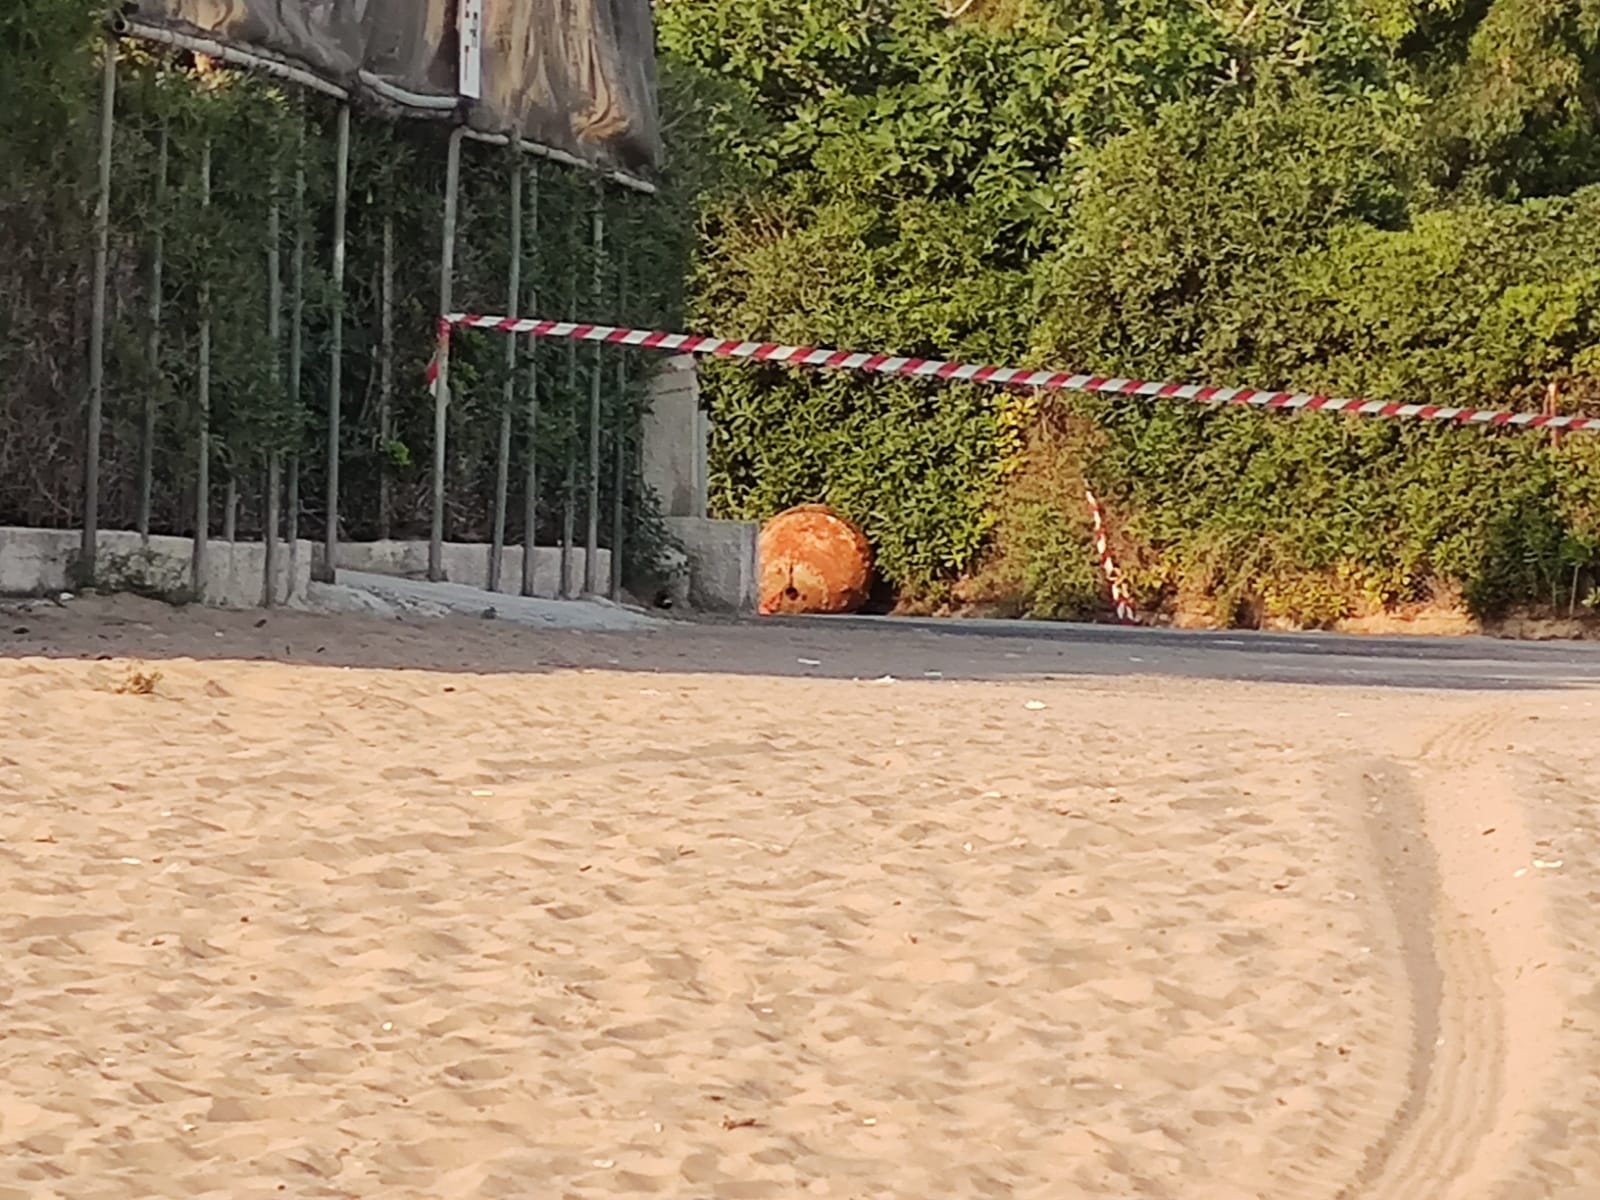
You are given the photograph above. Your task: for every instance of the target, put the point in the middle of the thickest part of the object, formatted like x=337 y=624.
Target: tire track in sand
x=1456 y=1049
x=1448 y=839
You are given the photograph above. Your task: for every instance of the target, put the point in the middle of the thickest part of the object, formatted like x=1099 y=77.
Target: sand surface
x=331 y=907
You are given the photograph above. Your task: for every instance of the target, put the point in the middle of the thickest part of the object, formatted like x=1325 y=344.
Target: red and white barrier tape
x=441 y=351
x=1121 y=596
x=1054 y=381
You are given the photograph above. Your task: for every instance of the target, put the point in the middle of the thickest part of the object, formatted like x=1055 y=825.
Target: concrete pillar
x=721 y=571
x=675 y=439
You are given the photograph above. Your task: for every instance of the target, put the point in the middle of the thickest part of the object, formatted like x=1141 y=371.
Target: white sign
x=469 y=28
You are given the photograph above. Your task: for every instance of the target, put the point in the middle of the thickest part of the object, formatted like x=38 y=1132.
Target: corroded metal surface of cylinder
x=813 y=561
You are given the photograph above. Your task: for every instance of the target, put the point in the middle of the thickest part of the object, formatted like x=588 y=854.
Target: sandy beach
x=342 y=907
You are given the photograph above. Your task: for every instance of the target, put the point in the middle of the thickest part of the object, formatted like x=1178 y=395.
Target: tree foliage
x=1376 y=197
x=215 y=265
x=1393 y=198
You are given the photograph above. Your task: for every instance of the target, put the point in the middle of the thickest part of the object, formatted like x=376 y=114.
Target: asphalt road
x=1470 y=663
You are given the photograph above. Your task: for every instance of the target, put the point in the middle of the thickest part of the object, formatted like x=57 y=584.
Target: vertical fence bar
x=619 y=435
x=569 y=424
x=569 y=486
x=502 y=474
x=591 y=542
x=386 y=378
x=88 y=545
x=297 y=313
x=530 y=480
x=441 y=400
x=341 y=207
x=291 y=508
x=158 y=251
x=269 y=519
x=202 y=487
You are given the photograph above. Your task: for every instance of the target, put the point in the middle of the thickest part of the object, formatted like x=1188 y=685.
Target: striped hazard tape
x=1121 y=596
x=1052 y=381
x=1012 y=377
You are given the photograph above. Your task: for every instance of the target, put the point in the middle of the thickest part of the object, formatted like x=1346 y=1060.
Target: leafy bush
x=215 y=263
x=1331 y=197
x=1035 y=565
x=1390 y=198
x=1309 y=518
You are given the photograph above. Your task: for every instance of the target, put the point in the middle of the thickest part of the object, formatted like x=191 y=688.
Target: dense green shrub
x=1479 y=305
x=1333 y=196
x=216 y=261
x=1387 y=198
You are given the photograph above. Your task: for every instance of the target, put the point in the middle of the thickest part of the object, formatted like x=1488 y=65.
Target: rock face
x=813 y=561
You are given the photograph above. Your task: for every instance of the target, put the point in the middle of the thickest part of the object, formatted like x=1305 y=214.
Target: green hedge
x=49 y=87
x=1387 y=201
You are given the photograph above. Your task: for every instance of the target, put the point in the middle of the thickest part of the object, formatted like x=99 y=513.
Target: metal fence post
x=269 y=520
x=88 y=546
x=441 y=399
x=530 y=484
x=502 y=475
x=202 y=488
x=591 y=545
x=158 y=250
x=341 y=206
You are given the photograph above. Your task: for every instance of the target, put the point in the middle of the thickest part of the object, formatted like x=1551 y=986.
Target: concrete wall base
x=468 y=563
x=37 y=562
x=721 y=568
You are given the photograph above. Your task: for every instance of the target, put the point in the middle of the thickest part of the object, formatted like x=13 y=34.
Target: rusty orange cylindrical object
x=814 y=561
